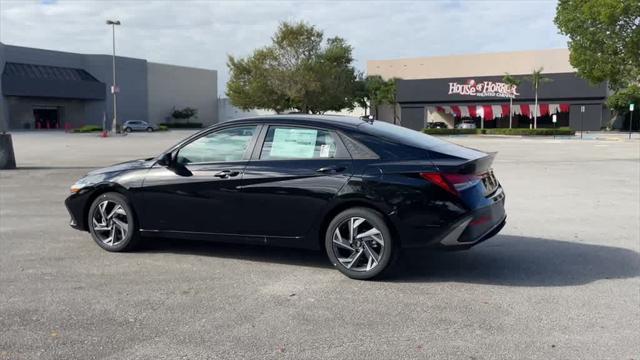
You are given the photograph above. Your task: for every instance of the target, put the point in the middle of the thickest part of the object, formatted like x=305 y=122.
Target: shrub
x=528 y=132
x=503 y=131
x=162 y=128
x=189 y=125
x=449 y=131
x=184 y=114
x=88 y=129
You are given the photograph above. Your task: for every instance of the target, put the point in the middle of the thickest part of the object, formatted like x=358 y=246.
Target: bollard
x=7 y=157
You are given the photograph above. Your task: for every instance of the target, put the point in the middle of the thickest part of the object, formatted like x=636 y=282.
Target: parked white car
x=466 y=124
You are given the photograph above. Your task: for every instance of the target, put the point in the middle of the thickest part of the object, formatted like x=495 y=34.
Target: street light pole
x=631 y=106
x=114 y=88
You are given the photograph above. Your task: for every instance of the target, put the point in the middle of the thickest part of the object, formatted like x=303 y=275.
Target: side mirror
x=166 y=160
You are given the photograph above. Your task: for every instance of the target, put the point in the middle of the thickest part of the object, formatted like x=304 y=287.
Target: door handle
x=226 y=174
x=331 y=169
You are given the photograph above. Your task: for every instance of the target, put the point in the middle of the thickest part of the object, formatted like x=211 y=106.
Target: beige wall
x=172 y=86
x=437 y=67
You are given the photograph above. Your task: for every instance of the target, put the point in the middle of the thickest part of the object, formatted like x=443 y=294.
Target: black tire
x=149 y=129
x=376 y=220
x=126 y=243
x=127 y=129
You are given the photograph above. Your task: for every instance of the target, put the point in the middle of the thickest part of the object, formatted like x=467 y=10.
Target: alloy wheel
x=358 y=245
x=110 y=223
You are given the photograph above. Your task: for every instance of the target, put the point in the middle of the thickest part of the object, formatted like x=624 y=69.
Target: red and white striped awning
x=490 y=112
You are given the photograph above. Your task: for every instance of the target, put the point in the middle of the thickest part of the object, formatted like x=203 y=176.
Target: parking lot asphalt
x=562 y=280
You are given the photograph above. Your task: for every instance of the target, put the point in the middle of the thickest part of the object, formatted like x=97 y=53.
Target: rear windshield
x=401 y=135
x=417 y=139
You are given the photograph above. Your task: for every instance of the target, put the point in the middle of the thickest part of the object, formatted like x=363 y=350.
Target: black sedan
x=359 y=189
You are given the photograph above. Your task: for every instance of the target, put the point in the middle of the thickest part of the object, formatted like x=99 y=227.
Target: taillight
x=453 y=183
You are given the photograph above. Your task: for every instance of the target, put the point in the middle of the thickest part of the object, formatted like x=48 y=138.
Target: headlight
x=86 y=181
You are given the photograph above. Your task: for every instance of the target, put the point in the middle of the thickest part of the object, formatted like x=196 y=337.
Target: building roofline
x=464 y=55
x=102 y=54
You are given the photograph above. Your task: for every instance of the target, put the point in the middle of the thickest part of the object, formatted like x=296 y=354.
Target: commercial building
x=44 y=89
x=452 y=89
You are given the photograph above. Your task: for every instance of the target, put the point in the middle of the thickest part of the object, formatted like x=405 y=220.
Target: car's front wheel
x=112 y=223
x=127 y=129
x=359 y=243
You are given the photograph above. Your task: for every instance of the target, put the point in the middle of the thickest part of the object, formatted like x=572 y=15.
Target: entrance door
x=46 y=118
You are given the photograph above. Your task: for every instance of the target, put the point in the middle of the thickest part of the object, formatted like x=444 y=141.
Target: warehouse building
x=44 y=89
x=470 y=88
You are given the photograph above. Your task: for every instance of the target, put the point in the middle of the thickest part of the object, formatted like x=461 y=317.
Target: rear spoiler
x=457 y=165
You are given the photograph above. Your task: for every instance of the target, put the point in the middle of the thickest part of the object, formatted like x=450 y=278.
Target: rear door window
x=289 y=142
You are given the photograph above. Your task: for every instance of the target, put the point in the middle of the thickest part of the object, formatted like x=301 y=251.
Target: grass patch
x=88 y=129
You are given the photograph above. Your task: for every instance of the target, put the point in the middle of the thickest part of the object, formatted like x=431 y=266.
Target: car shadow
x=280 y=255
x=520 y=261
x=503 y=260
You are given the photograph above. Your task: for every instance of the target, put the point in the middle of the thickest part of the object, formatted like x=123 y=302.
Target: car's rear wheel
x=359 y=243
x=127 y=129
x=149 y=129
x=112 y=224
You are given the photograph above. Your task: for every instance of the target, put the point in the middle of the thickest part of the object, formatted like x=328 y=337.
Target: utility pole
x=114 y=88
x=631 y=106
x=535 y=109
x=581 y=120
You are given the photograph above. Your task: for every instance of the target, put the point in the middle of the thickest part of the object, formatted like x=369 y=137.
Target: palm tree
x=512 y=81
x=537 y=79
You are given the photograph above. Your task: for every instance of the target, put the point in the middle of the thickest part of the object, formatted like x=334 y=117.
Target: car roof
x=337 y=121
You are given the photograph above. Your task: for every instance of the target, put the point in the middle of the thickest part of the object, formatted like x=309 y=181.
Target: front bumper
x=76 y=206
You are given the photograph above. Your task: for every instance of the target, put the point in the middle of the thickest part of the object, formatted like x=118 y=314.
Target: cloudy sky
x=202 y=33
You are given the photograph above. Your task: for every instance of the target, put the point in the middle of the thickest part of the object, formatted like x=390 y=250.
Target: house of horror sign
x=483 y=89
x=565 y=88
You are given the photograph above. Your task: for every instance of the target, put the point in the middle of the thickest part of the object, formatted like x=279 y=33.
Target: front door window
x=221 y=146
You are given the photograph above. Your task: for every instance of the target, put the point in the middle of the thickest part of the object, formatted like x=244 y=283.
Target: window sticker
x=324 y=151
x=293 y=143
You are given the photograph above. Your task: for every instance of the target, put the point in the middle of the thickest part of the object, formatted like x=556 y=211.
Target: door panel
x=294 y=172
x=204 y=199
x=198 y=191
x=284 y=198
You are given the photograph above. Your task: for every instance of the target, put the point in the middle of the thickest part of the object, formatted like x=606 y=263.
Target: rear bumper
x=479 y=225
x=459 y=232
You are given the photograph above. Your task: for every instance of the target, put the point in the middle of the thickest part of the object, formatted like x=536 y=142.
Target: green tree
x=620 y=100
x=512 y=81
x=374 y=91
x=537 y=79
x=297 y=71
x=604 y=40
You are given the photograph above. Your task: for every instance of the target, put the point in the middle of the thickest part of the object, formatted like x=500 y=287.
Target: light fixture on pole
x=114 y=87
